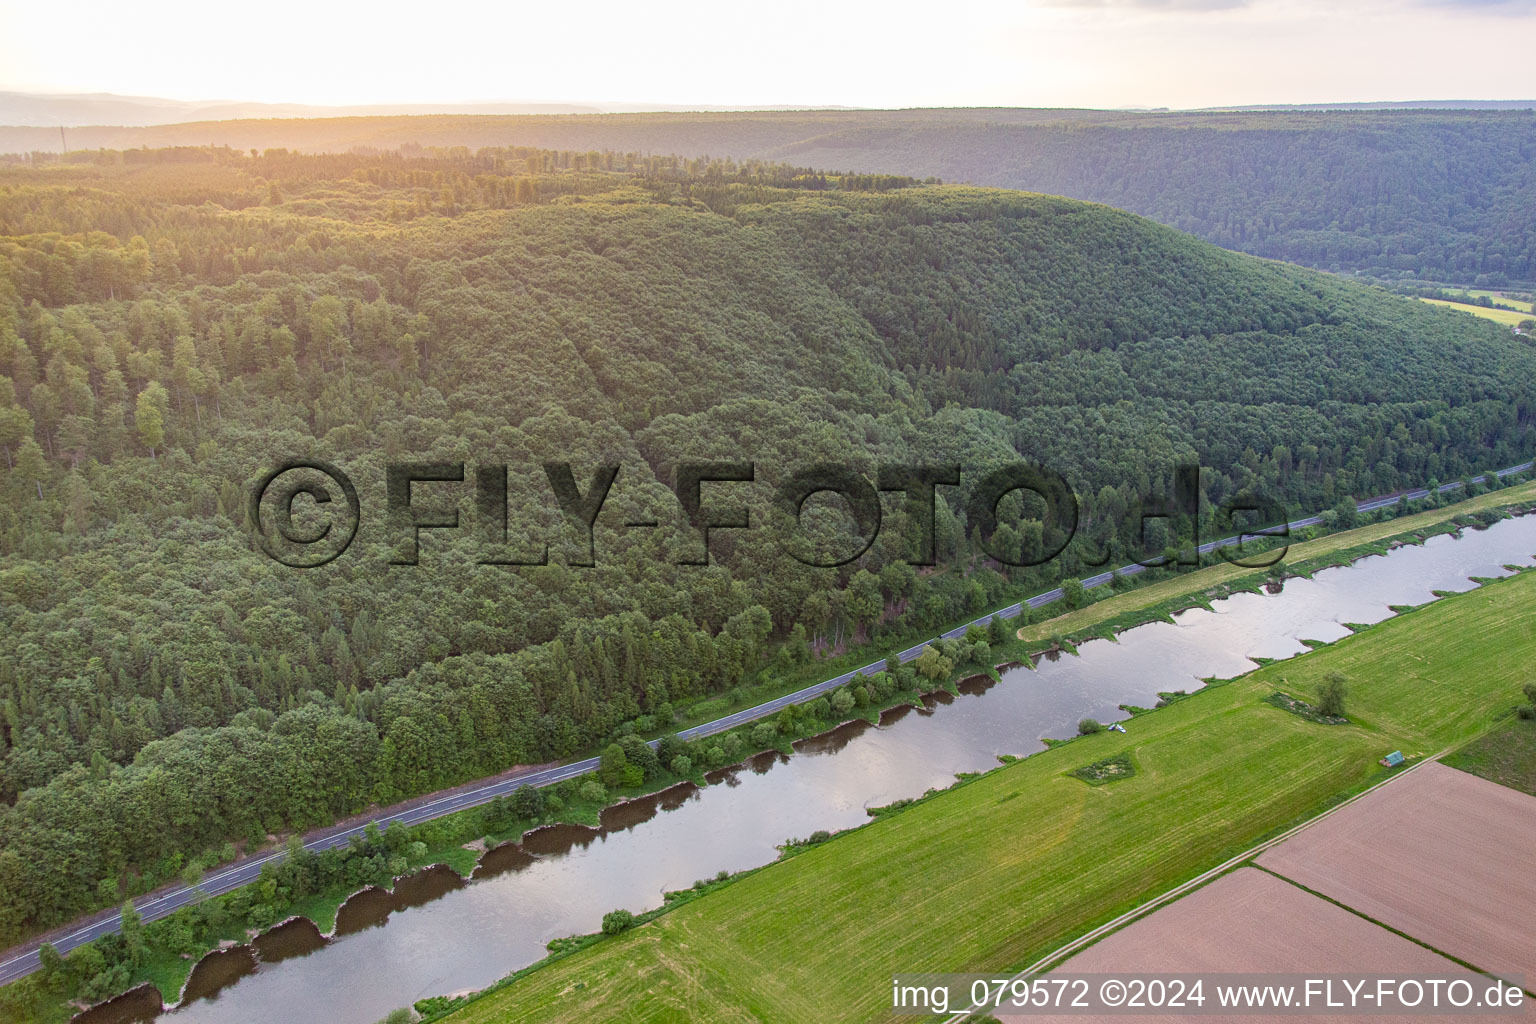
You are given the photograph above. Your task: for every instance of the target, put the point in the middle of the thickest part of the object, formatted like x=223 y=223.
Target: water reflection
x=501 y=859
x=137 y=1004
x=219 y=970
x=832 y=741
x=555 y=840
x=296 y=937
x=366 y=908
x=560 y=880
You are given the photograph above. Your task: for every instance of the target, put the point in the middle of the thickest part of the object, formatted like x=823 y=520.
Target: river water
x=437 y=937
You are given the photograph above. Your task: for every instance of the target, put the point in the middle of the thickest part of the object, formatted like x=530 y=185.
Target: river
x=441 y=937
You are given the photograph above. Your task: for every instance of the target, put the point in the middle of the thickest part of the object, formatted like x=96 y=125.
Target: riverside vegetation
x=315 y=885
x=1002 y=868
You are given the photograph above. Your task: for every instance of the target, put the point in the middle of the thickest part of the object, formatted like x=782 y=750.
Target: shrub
x=764 y=734
x=640 y=755
x=104 y=983
x=820 y=709
x=715 y=756
x=881 y=686
x=53 y=972
x=528 y=802
x=682 y=765
x=668 y=747
x=593 y=792
x=612 y=765
x=1330 y=698
x=933 y=664
x=1526 y=712
x=1089 y=726
x=416 y=850
x=842 y=700
x=616 y=921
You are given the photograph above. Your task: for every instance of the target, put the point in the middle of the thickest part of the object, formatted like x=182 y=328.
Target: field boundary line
x=1065 y=950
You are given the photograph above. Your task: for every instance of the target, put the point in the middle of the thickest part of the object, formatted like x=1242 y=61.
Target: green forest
x=1417 y=195
x=174 y=322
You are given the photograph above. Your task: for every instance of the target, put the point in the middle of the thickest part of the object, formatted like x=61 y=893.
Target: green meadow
x=1005 y=867
x=1507 y=317
x=1506 y=755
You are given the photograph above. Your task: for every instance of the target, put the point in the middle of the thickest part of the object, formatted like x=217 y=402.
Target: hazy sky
x=1177 y=53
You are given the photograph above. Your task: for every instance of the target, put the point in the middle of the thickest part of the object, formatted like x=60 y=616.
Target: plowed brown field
x=1443 y=856
x=1249 y=921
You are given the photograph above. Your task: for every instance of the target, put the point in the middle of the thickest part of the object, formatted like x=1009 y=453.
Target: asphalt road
x=243 y=872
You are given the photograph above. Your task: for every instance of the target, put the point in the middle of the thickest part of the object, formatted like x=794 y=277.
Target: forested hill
x=1435 y=195
x=174 y=323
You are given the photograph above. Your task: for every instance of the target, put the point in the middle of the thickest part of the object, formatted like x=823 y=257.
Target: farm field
x=1521 y=302
x=1005 y=868
x=1442 y=856
x=1507 y=317
x=1507 y=755
x=1252 y=922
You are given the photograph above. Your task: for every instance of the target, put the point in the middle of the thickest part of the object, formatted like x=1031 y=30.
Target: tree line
x=173 y=323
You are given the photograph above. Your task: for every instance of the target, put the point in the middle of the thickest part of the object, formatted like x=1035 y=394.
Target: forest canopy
x=173 y=322
x=1415 y=195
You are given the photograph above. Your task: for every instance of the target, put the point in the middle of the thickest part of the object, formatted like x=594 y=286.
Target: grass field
x=1507 y=317
x=1502 y=298
x=1006 y=867
x=1507 y=755
x=1122 y=608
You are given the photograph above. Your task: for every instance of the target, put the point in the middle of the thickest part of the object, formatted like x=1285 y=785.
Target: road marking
x=241 y=874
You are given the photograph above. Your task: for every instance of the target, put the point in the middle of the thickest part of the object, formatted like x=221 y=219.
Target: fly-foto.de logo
x=306 y=512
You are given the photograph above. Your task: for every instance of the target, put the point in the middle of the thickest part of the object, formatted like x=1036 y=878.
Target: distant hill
x=74 y=109
x=1394 y=105
x=1442 y=195
x=50 y=111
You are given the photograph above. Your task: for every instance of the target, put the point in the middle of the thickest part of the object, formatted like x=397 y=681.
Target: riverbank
x=1163 y=598
x=1009 y=865
x=444 y=838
